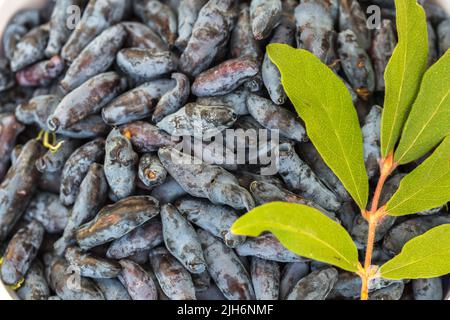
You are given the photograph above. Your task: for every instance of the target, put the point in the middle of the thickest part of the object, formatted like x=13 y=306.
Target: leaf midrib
x=424 y=127
x=287 y=228
x=414 y=194
x=355 y=186
x=415 y=261
x=400 y=95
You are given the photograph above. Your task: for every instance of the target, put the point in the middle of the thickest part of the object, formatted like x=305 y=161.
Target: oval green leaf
x=324 y=103
x=303 y=230
x=426 y=256
x=404 y=71
x=426 y=187
x=429 y=120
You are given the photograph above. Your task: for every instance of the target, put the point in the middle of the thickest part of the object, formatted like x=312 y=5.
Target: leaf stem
x=373 y=217
x=373 y=221
x=387 y=165
x=377 y=194
x=364 y=287
x=370 y=241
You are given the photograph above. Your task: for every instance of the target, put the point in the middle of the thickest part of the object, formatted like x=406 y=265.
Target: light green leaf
x=426 y=256
x=429 y=120
x=324 y=103
x=426 y=187
x=303 y=230
x=404 y=71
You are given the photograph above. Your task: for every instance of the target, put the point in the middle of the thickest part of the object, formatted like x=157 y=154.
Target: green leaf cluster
x=415 y=120
x=429 y=120
x=404 y=71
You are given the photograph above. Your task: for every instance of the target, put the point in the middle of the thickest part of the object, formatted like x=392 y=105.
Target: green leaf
x=426 y=256
x=404 y=71
x=429 y=120
x=426 y=187
x=303 y=230
x=324 y=103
